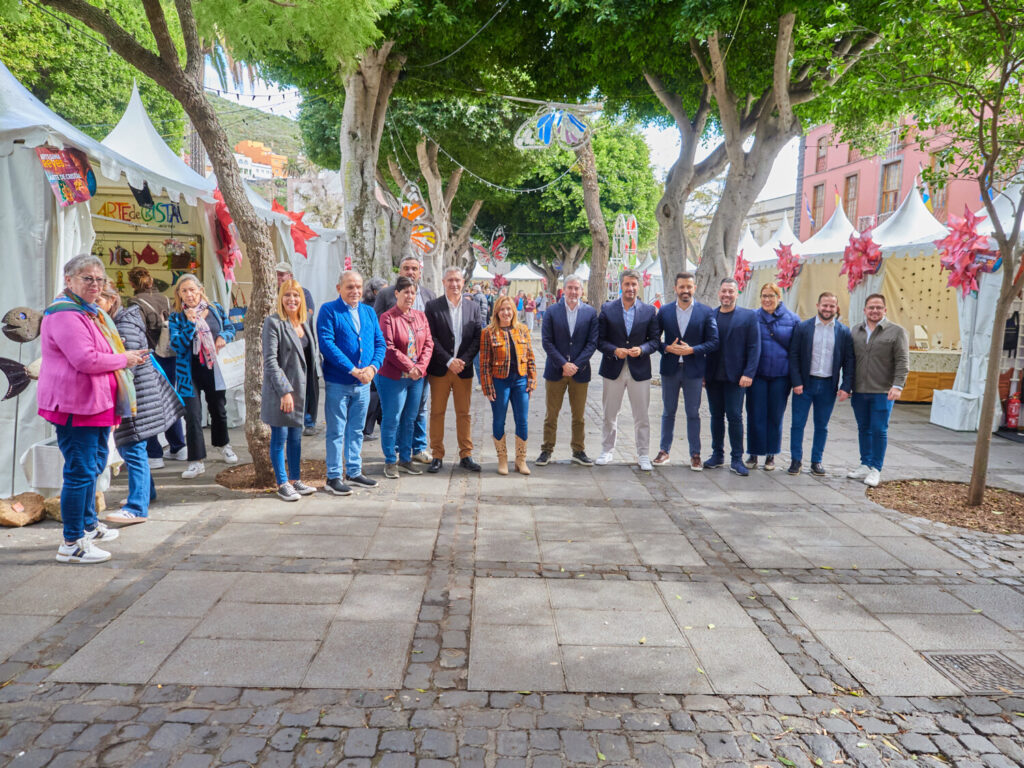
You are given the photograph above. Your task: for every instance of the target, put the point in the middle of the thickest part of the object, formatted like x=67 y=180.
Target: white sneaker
x=181 y=455
x=195 y=469
x=874 y=477
x=230 y=457
x=101 y=533
x=645 y=463
x=157 y=463
x=82 y=551
x=859 y=473
x=604 y=458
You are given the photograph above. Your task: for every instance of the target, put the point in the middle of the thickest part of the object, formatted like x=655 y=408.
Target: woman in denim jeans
x=287 y=343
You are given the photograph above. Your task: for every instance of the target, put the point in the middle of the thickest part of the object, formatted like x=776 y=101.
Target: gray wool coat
x=284 y=371
x=157 y=405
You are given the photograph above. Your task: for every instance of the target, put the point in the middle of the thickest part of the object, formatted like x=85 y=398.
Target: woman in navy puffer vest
x=767 y=397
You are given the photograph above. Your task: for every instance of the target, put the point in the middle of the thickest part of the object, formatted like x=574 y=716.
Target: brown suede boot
x=502 y=450
x=521 y=467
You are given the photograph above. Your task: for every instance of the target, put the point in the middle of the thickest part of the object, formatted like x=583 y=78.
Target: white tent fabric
x=748 y=245
x=583 y=272
x=522 y=272
x=782 y=236
x=480 y=273
x=136 y=138
x=831 y=238
x=1006 y=203
x=912 y=224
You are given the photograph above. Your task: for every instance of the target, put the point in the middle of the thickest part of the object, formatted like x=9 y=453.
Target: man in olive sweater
x=882 y=353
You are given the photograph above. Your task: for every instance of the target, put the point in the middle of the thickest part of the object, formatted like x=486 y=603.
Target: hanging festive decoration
x=789 y=266
x=414 y=209
x=299 y=229
x=965 y=253
x=742 y=272
x=647 y=279
x=499 y=281
x=497 y=251
x=229 y=252
x=862 y=257
x=556 y=122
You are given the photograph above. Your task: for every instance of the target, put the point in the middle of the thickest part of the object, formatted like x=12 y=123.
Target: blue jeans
x=821 y=394
x=872 y=412
x=176 y=434
x=85 y=452
x=141 y=491
x=279 y=438
x=725 y=401
x=419 y=429
x=671 y=384
x=766 y=407
x=400 y=406
x=345 y=408
x=511 y=389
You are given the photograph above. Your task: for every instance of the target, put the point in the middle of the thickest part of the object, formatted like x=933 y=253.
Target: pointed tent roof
x=522 y=272
x=136 y=138
x=831 y=238
x=1004 y=202
x=751 y=250
x=480 y=273
x=263 y=207
x=782 y=236
x=26 y=120
x=911 y=224
x=583 y=272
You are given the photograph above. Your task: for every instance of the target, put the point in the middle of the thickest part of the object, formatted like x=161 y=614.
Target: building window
x=818 y=207
x=939 y=195
x=890 y=187
x=822 y=156
x=850 y=197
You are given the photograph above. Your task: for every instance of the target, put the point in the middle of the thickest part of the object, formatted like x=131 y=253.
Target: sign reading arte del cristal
x=132 y=213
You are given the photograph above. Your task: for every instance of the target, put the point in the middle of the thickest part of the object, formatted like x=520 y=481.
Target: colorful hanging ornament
x=647 y=279
x=414 y=209
x=789 y=266
x=229 y=252
x=299 y=229
x=965 y=253
x=556 y=122
x=499 y=281
x=497 y=251
x=742 y=272
x=862 y=257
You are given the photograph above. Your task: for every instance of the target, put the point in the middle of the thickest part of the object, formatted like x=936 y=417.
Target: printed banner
x=70 y=176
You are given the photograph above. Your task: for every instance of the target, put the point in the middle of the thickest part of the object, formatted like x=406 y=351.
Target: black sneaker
x=794 y=467
x=361 y=480
x=469 y=465
x=435 y=466
x=817 y=469
x=543 y=459
x=338 y=488
x=581 y=458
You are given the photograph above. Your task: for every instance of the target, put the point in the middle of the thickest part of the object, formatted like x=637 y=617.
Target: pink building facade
x=868 y=188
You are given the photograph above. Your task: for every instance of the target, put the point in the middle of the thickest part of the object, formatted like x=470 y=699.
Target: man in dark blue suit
x=821 y=348
x=627 y=334
x=731 y=370
x=569 y=336
x=690 y=333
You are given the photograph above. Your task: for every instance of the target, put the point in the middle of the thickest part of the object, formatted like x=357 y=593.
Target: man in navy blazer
x=352 y=347
x=627 y=335
x=731 y=370
x=690 y=333
x=821 y=348
x=569 y=337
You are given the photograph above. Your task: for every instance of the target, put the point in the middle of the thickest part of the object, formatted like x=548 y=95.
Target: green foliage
x=281 y=134
x=71 y=71
x=319 y=123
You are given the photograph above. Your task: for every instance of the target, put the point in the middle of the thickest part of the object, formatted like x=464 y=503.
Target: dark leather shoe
x=469 y=465
x=543 y=459
x=581 y=458
x=794 y=467
x=817 y=468
x=435 y=466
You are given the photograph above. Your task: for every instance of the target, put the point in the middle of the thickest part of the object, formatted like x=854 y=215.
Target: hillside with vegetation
x=240 y=122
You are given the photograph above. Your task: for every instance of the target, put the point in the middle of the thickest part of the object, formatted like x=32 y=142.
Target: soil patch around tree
x=243 y=477
x=1001 y=511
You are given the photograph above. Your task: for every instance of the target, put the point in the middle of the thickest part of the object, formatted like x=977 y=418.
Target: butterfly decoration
x=414 y=209
x=549 y=123
x=497 y=251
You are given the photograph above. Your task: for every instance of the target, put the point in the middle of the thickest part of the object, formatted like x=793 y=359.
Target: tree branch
x=452 y=188
x=731 y=126
x=396 y=173
x=194 y=59
x=780 y=69
x=668 y=99
x=158 y=24
x=461 y=239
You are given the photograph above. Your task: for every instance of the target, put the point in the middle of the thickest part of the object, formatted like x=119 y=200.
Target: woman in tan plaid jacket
x=508 y=374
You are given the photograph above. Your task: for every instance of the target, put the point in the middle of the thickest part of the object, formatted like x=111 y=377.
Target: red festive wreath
x=861 y=258
x=964 y=252
x=742 y=272
x=789 y=266
x=229 y=252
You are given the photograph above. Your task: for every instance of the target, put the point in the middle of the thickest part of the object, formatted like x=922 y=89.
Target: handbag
x=162 y=346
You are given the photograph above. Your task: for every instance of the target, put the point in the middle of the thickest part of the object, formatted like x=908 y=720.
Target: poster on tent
x=166 y=256
x=70 y=176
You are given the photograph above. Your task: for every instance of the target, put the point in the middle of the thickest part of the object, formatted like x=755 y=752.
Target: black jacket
x=611 y=335
x=386 y=298
x=444 y=336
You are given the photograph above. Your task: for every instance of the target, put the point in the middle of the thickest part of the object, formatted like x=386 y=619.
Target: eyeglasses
x=91 y=280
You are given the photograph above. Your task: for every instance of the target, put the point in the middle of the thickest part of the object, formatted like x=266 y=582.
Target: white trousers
x=639 y=403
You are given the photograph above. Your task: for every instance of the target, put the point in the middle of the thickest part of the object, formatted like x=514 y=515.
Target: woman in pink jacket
x=401 y=377
x=85 y=388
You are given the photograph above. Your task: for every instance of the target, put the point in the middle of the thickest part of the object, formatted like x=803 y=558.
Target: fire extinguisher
x=1013 y=411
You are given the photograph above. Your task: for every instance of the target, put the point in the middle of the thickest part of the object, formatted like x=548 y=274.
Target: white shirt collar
x=818 y=322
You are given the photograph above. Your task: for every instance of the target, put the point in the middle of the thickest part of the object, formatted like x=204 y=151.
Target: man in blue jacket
x=690 y=333
x=731 y=370
x=821 y=348
x=627 y=335
x=569 y=336
x=352 y=346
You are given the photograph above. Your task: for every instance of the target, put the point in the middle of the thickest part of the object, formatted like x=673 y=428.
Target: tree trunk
x=670 y=214
x=462 y=255
x=367 y=91
x=597 y=290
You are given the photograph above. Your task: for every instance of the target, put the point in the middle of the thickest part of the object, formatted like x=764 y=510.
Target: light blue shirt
x=570 y=317
x=628 y=315
x=354 y=313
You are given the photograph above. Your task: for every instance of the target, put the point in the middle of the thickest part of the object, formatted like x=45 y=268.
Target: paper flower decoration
x=862 y=257
x=742 y=272
x=789 y=266
x=964 y=252
x=299 y=229
x=647 y=279
x=500 y=281
x=229 y=252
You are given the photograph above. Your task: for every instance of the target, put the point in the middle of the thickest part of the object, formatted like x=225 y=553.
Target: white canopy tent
x=748 y=246
x=480 y=273
x=763 y=260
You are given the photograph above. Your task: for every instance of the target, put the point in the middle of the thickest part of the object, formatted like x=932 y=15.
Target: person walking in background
x=821 y=349
x=627 y=336
x=509 y=375
x=478 y=296
x=156 y=311
x=288 y=344
x=543 y=302
x=569 y=337
x=156 y=408
x=530 y=312
x=882 y=361
x=199 y=329
x=690 y=335
x=769 y=394
x=521 y=306
x=402 y=376
x=352 y=347
x=731 y=370
x=312 y=398
x=84 y=390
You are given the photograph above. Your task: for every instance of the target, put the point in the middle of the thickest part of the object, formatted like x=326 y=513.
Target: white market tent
x=831 y=238
x=522 y=272
x=748 y=246
x=480 y=273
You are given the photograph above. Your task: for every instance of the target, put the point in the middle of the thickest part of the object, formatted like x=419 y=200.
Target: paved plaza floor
x=573 y=617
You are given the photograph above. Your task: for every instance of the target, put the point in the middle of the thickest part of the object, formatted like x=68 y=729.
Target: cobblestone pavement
x=576 y=617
